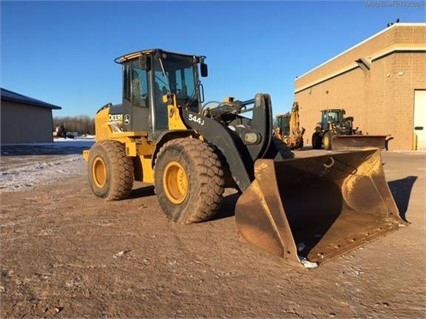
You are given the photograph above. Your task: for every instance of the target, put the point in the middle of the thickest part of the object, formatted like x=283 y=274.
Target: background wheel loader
x=288 y=128
x=162 y=134
x=336 y=132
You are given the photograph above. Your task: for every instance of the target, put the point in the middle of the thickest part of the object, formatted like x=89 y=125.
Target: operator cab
x=332 y=116
x=150 y=75
x=283 y=122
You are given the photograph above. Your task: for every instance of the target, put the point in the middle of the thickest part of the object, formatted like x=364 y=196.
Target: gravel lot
x=67 y=254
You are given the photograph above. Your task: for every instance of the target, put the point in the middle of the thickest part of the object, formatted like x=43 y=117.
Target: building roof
x=10 y=96
x=390 y=27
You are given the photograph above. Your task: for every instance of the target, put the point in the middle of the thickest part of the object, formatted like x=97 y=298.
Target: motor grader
x=305 y=210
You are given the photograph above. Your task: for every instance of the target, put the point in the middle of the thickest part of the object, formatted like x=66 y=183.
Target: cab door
x=136 y=111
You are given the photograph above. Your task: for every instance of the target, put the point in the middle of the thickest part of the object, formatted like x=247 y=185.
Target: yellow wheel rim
x=327 y=142
x=99 y=172
x=175 y=182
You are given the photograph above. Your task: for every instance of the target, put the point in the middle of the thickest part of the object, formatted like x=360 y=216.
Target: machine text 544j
x=196 y=119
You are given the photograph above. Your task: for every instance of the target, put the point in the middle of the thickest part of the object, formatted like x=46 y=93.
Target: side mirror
x=204 y=70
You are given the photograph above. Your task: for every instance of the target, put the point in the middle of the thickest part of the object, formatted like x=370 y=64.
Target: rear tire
x=110 y=170
x=316 y=141
x=189 y=180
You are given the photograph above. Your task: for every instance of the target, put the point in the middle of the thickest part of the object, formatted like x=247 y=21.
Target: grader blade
x=316 y=208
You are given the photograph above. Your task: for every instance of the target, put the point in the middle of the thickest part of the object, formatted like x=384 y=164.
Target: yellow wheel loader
x=288 y=128
x=336 y=132
x=303 y=209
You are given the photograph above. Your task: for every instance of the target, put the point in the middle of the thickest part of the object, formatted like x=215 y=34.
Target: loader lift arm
x=241 y=145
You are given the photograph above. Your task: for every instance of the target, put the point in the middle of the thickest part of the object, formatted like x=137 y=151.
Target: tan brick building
x=380 y=81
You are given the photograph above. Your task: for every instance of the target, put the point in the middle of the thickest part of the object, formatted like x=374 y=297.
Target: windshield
x=177 y=75
x=284 y=124
x=332 y=116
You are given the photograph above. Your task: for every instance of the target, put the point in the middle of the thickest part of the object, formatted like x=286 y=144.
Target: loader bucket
x=316 y=208
x=348 y=142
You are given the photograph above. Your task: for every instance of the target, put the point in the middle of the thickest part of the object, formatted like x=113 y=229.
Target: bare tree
x=82 y=124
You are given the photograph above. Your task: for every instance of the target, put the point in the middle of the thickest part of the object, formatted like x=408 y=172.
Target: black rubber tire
x=189 y=180
x=326 y=141
x=316 y=141
x=110 y=170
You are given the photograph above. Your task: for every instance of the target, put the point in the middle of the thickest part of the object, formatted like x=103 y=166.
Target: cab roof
x=137 y=54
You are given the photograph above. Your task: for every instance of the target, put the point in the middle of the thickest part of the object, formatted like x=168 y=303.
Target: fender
x=168 y=136
x=227 y=142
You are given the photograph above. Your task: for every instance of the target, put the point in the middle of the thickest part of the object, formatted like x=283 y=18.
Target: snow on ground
x=26 y=166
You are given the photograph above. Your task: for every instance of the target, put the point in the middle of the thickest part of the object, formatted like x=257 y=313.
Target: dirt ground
x=67 y=254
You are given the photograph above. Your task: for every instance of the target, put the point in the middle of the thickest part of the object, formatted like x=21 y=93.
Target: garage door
x=420 y=119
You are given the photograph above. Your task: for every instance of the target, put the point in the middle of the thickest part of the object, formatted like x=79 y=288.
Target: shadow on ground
x=401 y=192
x=227 y=209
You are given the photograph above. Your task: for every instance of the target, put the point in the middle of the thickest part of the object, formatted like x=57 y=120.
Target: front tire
x=189 y=180
x=110 y=170
x=316 y=141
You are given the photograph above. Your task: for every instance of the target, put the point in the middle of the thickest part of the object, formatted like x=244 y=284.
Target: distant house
x=25 y=119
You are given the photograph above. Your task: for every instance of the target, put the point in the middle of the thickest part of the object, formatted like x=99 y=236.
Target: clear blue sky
x=62 y=52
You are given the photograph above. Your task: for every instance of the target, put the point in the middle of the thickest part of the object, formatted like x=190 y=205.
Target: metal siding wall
x=22 y=123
